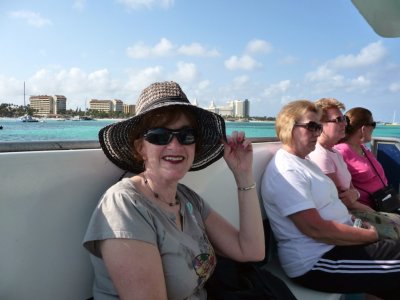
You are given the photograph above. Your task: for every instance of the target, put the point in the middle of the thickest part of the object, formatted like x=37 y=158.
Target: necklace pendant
x=173 y=203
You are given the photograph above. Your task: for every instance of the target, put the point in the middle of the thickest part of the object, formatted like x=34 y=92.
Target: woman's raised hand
x=238 y=153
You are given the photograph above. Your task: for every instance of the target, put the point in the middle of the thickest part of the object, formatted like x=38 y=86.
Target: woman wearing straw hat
x=151 y=237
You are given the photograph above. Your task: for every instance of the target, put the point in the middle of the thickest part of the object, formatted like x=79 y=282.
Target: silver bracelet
x=358 y=194
x=250 y=187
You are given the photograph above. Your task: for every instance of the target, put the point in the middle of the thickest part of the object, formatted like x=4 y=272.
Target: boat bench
x=46 y=200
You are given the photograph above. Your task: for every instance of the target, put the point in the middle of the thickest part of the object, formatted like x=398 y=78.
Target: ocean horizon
x=15 y=130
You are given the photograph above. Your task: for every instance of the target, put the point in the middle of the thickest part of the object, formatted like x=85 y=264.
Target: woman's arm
x=247 y=243
x=350 y=196
x=310 y=223
x=135 y=269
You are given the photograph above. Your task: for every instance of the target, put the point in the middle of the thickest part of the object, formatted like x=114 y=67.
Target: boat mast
x=24 y=95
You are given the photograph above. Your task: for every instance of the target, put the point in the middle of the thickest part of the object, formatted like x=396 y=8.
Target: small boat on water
x=394 y=123
x=28 y=118
x=82 y=118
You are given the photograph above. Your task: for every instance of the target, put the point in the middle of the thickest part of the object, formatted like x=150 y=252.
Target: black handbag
x=385 y=199
x=233 y=280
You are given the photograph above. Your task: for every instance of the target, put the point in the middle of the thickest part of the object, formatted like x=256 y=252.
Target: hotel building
x=106 y=105
x=45 y=105
x=236 y=108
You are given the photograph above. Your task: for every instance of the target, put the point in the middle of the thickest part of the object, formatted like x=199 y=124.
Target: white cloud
x=196 y=49
x=148 y=4
x=166 y=48
x=139 y=79
x=10 y=88
x=79 y=5
x=244 y=62
x=258 y=46
x=369 y=55
x=322 y=73
x=240 y=80
x=203 y=84
x=359 y=82
x=326 y=78
x=32 y=18
x=394 y=87
x=140 y=50
x=279 y=88
x=74 y=83
x=288 y=60
x=186 y=72
x=163 y=48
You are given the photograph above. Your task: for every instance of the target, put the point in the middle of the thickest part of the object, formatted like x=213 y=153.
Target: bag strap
x=373 y=166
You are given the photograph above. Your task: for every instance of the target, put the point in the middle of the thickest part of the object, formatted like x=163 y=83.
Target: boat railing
x=48 y=145
x=387 y=151
x=76 y=145
x=383 y=140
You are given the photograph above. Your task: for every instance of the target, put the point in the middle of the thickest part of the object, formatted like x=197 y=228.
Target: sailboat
x=394 y=123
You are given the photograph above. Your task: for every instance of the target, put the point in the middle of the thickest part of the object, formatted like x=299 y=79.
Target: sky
x=269 y=52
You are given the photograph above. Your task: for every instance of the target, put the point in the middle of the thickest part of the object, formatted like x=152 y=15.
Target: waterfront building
x=45 y=105
x=106 y=105
x=118 y=105
x=236 y=108
x=129 y=109
x=242 y=108
x=60 y=104
x=213 y=108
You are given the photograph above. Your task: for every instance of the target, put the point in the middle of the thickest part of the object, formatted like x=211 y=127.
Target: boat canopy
x=383 y=15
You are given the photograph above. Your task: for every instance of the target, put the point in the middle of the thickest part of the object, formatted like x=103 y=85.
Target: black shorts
x=372 y=269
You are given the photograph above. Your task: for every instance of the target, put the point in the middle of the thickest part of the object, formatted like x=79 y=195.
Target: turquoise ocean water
x=52 y=130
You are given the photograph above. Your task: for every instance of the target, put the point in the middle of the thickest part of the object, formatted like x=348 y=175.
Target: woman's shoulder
x=119 y=193
x=122 y=186
x=343 y=148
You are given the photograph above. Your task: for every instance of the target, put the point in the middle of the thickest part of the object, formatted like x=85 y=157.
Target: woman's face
x=303 y=138
x=335 y=126
x=367 y=130
x=172 y=161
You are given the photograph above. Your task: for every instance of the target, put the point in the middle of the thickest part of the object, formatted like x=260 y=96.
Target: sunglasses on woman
x=310 y=126
x=340 y=119
x=373 y=124
x=164 y=136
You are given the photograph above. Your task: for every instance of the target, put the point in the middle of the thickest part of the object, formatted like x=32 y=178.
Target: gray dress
x=187 y=256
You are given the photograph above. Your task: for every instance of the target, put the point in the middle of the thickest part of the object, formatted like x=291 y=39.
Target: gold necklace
x=157 y=196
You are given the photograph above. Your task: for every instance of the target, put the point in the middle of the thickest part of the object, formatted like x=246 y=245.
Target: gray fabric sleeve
x=119 y=215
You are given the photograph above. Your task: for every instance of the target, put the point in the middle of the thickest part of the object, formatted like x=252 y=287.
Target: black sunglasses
x=340 y=119
x=310 y=126
x=163 y=136
x=373 y=124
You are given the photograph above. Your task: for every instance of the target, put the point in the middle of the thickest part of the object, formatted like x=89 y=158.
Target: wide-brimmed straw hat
x=116 y=139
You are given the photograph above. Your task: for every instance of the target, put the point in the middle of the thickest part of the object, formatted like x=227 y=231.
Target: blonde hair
x=326 y=103
x=289 y=115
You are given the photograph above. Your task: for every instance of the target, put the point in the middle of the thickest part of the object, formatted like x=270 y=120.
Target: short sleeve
x=119 y=214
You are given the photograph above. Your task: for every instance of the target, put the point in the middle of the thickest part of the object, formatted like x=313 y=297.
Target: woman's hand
x=349 y=197
x=310 y=223
x=238 y=154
